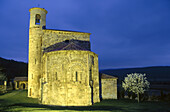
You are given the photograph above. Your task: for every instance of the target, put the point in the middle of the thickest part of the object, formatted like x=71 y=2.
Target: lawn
x=17 y=101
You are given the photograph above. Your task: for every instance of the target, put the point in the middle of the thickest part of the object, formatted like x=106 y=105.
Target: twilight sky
x=125 y=33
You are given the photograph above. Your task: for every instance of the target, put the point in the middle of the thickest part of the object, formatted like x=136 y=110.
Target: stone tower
x=37 y=23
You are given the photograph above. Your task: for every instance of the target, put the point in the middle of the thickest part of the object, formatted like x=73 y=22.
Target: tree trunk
x=138 y=95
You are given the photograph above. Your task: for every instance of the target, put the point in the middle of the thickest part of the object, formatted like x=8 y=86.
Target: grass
x=17 y=101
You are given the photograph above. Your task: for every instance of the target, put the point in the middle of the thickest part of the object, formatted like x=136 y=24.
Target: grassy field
x=17 y=101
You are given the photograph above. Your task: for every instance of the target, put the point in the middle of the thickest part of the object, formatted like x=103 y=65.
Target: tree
x=2 y=75
x=136 y=83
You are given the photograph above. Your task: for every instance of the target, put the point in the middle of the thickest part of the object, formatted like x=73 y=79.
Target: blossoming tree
x=136 y=83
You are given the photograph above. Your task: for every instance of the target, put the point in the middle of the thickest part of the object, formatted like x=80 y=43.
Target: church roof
x=105 y=76
x=21 y=79
x=72 y=46
x=69 y=45
x=66 y=31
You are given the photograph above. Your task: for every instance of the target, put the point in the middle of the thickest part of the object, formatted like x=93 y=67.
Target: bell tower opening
x=37 y=19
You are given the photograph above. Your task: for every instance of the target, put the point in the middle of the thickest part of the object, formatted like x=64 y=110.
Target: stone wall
x=109 y=88
x=66 y=78
x=34 y=65
x=52 y=37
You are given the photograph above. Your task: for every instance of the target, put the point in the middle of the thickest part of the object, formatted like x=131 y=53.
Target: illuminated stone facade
x=71 y=77
x=62 y=69
x=108 y=86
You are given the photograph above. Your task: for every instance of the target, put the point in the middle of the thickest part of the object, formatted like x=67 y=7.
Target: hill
x=157 y=73
x=13 y=68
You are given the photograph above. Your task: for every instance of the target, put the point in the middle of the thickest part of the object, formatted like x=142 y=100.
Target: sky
x=125 y=33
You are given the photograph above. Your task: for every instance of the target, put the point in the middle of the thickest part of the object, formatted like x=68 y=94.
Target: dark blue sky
x=125 y=33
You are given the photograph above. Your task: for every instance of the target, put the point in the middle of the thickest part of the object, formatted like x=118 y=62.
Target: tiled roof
x=69 y=45
x=21 y=79
x=105 y=76
x=72 y=46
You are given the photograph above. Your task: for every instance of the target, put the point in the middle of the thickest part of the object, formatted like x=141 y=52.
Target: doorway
x=23 y=86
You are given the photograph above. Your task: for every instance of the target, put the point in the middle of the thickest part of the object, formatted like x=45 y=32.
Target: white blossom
x=136 y=83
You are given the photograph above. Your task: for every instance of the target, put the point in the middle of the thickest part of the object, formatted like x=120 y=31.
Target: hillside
x=13 y=68
x=157 y=73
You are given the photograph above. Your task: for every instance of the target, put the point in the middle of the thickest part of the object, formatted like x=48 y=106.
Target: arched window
x=37 y=19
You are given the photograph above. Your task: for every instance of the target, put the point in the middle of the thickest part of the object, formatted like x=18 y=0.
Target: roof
x=105 y=76
x=67 y=31
x=21 y=79
x=69 y=45
x=72 y=46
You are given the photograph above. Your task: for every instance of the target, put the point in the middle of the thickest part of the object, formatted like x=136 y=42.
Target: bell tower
x=37 y=23
x=37 y=17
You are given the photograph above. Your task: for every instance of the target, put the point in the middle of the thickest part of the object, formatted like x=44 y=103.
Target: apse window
x=76 y=76
x=92 y=59
x=56 y=75
x=37 y=19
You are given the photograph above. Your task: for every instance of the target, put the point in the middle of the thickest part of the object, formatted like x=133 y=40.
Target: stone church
x=62 y=69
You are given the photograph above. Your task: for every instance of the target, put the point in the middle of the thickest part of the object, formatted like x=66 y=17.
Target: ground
x=17 y=101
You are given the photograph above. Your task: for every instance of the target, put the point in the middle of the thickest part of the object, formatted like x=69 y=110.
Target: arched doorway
x=23 y=86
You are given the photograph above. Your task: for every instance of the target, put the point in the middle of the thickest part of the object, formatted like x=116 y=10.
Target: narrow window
x=90 y=77
x=76 y=76
x=56 y=75
x=32 y=76
x=37 y=19
x=35 y=61
x=30 y=91
x=92 y=59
